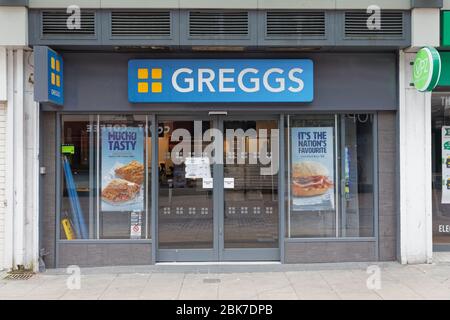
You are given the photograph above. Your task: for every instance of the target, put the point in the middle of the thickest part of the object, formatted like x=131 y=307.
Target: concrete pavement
x=237 y=282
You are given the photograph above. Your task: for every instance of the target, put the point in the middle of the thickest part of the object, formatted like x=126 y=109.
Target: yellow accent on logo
x=142 y=73
x=157 y=73
x=58 y=82
x=57 y=66
x=52 y=62
x=142 y=87
x=53 y=78
x=156 y=87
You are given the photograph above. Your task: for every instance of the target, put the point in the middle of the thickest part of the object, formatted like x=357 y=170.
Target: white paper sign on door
x=207 y=183
x=197 y=168
x=445 y=165
x=228 y=183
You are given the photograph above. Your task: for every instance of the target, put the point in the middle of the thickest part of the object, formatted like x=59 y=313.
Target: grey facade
x=355 y=72
x=96 y=83
x=251 y=29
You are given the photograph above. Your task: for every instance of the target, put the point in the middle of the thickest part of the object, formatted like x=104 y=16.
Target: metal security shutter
x=54 y=23
x=218 y=24
x=295 y=24
x=356 y=25
x=141 y=24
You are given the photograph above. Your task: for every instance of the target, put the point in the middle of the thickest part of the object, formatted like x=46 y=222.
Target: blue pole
x=79 y=211
x=76 y=224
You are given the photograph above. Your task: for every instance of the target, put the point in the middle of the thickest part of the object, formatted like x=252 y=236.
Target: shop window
x=330 y=176
x=105 y=183
x=440 y=147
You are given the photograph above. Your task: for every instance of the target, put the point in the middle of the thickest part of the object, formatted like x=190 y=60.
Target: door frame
x=246 y=254
x=218 y=253
x=181 y=255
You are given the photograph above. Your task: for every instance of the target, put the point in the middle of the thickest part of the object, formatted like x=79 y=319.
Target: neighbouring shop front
x=245 y=157
x=440 y=147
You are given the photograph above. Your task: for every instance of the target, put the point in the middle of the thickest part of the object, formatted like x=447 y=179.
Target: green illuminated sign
x=427 y=69
x=68 y=149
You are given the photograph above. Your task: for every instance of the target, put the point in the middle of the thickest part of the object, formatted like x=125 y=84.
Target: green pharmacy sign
x=427 y=69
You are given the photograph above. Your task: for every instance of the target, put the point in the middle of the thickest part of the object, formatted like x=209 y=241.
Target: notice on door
x=197 y=168
x=445 y=165
x=312 y=163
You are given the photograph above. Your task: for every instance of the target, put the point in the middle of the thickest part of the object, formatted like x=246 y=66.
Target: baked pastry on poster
x=123 y=172
x=312 y=169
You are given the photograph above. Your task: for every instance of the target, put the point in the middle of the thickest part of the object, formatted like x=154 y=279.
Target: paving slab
x=306 y=282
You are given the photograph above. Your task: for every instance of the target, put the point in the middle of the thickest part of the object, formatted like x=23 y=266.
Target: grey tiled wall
x=48 y=208
x=330 y=251
x=104 y=254
x=387 y=185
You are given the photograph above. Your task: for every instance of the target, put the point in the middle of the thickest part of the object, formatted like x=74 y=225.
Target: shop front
x=440 y=103
x=183 y=157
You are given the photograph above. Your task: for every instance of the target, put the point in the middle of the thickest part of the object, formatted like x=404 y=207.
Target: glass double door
x=218 y=189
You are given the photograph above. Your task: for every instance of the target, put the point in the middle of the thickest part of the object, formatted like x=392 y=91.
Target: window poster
x=312 y=169
x=122 y=169
x=445 y=165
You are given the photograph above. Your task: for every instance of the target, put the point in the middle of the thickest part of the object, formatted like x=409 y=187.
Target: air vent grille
x=295 y=24
x=140 y=23
x=218 y=24
x=55 y=22
x=390 y=26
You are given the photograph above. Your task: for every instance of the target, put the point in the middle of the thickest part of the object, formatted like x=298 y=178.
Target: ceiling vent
x=141 y=24
x=218 y=24
x=295 y=24
x=55 y=22
x=358 y=24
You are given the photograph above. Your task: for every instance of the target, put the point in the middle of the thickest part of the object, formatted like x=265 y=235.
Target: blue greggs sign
x=55 y=78
x=217 y=80
x=49 y=84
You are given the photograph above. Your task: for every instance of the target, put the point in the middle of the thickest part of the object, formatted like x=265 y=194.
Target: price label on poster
x=312 y=163
x=445 y=165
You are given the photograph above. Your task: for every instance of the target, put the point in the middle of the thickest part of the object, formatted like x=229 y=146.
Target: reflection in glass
x=185 y=206
x=77 y=177
x=251 y=198
x=330 y=170
x=93 y=199
x=357 y=214
x=311 y=175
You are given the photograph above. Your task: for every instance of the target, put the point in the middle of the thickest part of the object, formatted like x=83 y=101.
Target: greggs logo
x=215 y=80
x=153 y=81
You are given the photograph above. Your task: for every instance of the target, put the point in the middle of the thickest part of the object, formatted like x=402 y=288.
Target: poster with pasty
x=312 y=169
x=122 y=169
